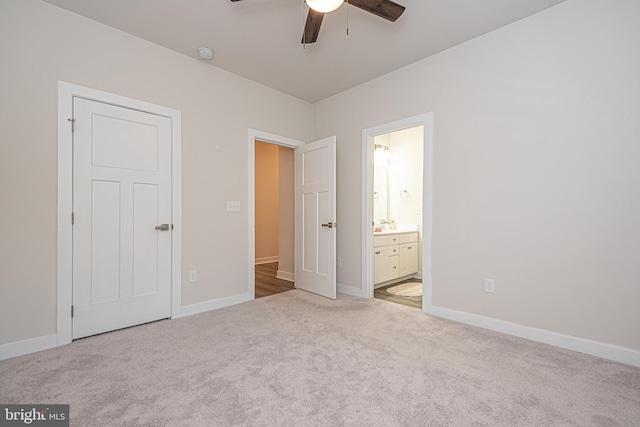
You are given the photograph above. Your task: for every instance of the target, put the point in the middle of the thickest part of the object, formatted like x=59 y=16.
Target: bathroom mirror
x=380 y=193
x=397 y=176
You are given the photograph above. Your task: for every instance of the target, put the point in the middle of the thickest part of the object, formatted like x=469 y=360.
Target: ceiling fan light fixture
x=324 y=6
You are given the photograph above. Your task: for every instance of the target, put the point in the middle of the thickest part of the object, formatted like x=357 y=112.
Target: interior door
x=315 y=217
x=122 y=217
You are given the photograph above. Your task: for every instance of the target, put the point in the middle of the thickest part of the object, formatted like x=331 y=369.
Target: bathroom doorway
x=397 y=211
x=274 y=218
x=397 y=216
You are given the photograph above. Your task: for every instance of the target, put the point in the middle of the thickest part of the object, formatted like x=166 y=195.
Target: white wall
x=41 y=44
x=535 y=169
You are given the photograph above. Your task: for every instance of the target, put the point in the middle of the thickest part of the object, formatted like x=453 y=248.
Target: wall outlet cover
x=489 y=286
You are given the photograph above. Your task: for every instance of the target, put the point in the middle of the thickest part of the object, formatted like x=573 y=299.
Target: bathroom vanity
x=395 y=256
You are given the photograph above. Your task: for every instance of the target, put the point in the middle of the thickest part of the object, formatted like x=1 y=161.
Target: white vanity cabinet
x=381 y=264
x=394 y=255
x=408 y=249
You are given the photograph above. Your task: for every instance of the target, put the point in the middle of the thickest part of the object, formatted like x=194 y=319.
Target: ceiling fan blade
x=383 y=8
x=312 y=27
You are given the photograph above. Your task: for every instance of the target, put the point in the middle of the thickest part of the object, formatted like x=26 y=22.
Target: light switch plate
x=233 y=206
x=193 y=276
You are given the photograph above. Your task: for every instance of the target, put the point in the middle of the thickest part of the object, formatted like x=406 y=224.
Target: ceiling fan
x=317 y=8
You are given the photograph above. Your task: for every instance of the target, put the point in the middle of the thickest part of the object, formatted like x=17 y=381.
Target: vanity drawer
x=393 y=250
x=408 y=238
x=380 y=241
x=393 y=239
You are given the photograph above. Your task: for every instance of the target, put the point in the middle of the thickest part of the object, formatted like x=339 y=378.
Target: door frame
x=253 y=136
x=66 y=93
x=368 y=135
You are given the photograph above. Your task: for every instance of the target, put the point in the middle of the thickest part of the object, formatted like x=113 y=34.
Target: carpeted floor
x=296 y=359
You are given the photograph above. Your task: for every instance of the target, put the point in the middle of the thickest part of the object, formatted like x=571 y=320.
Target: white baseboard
x=20 y=348
x=267 y=260
x=594 y=348
x=285 y=275
x=349 y=290
x=215 y=304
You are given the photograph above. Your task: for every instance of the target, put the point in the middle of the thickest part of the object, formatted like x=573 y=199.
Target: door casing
x=368 y=134
x=66 y=93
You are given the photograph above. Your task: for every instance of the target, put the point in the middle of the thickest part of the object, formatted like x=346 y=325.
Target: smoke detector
x=205 y=53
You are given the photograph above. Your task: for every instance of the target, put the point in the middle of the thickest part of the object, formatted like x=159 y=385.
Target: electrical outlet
x=193 y=276
x=233 y=206
x=489 y=286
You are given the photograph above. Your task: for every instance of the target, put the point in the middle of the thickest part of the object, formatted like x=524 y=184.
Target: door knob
x=162 y=227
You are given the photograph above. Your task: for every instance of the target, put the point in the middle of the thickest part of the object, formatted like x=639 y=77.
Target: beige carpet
x=409 y=289
x=296 y=359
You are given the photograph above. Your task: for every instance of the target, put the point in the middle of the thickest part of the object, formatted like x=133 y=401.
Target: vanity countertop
x=401 y=229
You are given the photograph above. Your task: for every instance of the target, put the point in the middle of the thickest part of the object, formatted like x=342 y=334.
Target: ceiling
x=260 y=39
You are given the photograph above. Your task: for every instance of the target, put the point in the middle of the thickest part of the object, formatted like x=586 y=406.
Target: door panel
x=325 y=237
x=315 y=206
x=105 y=241
x=308 y=239
x=125 y=144
x=122 y=191
x=145 y=239
x=315 y=164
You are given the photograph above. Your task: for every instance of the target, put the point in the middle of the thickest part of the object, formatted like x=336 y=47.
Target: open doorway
x=397 y=216
x=397 y=211
x=272 y=140
x=274 y=219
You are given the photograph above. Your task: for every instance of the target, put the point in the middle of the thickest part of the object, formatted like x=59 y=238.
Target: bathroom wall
x=405 y=173
x=405 y=179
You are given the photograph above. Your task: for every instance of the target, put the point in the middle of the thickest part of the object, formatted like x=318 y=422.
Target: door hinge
x=72 y=311
x=73 y=218
x=73 y=124
x=172 y=226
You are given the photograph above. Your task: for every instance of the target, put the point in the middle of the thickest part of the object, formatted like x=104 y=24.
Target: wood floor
x=267 y=283
x=381 y=293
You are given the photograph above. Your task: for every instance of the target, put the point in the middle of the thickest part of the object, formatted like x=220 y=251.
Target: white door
x=121 y=193
x=315 y=217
